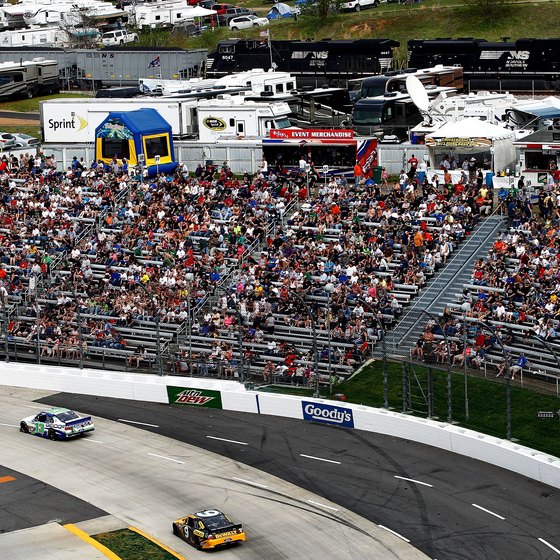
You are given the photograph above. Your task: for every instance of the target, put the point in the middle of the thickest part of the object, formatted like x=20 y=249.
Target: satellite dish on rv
x=417 y=93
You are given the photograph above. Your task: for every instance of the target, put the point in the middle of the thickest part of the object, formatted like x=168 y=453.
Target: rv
x=68 y=121
x=49 y=37
x=28 y=79
x=442 y=76
x=393 y=113
x=161 y=15
x=80 y=13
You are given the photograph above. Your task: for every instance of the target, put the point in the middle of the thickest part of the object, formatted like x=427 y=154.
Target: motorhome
x=393 y=113
x=440 y=75
x=28 y=79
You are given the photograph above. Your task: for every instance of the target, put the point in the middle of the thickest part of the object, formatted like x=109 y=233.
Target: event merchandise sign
x=194 y=397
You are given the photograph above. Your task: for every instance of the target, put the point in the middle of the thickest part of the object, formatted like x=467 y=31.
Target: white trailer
x=72 y=121
x=69 y=121
x=235 y=116
x=166 y=14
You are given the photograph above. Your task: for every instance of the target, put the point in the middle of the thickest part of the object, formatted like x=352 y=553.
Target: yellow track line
x=155 y=541
x=86 y=538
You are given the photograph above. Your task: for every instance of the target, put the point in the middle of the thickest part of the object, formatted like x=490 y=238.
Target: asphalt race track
x=147 y=480
x=26 y=502
x=452 y=508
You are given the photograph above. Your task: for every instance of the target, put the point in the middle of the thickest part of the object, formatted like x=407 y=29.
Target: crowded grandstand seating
x=515 y=291
x=106 y=264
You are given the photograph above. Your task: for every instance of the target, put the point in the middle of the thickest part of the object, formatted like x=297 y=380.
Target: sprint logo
x=75 y=122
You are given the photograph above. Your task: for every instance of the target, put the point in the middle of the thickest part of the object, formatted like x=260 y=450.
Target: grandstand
x=206 y=273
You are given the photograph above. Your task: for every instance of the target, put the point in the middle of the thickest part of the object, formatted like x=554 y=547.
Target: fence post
x=430 y=393
x=405 y=387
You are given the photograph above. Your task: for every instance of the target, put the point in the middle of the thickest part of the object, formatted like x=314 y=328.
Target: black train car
x=522 y=65
x=312 y=62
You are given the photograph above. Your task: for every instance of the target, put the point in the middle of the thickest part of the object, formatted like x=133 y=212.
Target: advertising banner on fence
x=327 y=414
x=194 y=397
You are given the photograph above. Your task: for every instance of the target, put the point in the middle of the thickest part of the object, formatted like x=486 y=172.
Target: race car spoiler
x=78 y=421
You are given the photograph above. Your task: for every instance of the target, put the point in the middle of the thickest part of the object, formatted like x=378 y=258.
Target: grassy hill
x=426 y=20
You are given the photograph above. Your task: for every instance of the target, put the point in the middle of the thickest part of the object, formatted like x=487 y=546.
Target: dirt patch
x=19 y=122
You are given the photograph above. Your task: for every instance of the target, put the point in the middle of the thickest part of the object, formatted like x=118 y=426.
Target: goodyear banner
x=194 y=397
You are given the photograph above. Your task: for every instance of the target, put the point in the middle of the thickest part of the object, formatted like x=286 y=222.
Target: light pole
x=447 y=347
x=507 y=376
x=158 y=340
x=4 y=300
x=384 y=350
x=316 y=394
x=80 y=333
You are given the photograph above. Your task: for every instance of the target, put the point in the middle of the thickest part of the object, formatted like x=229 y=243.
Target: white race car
x=57 y=423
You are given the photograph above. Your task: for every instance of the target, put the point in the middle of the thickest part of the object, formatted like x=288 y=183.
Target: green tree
x=490 y=8
x=320 y=8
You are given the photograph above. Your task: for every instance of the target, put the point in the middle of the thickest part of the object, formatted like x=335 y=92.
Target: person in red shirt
x=413 y=165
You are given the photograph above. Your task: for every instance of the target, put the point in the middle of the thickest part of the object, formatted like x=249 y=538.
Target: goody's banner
x=194 y=397
x=327 y=414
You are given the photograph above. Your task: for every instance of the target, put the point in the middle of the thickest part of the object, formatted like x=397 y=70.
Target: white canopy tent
x=473 y=137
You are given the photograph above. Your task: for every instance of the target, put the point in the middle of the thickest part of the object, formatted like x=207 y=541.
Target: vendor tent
x=280 y=10
x=473 y=137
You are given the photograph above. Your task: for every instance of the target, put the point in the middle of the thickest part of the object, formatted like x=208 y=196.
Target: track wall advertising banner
x=327 y=414
x=194 y=397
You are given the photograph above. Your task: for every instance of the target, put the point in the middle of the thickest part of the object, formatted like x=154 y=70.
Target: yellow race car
x=208 y=529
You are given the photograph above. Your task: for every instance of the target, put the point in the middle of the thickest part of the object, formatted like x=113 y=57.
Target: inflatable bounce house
x=141 y=136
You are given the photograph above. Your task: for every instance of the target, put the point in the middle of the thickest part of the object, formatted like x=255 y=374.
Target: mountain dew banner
x=194 y=397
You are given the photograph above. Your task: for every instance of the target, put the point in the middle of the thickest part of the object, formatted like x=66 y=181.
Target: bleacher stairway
x=443 y=287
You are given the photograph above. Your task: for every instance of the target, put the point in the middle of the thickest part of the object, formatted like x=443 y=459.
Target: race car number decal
x=40 y=427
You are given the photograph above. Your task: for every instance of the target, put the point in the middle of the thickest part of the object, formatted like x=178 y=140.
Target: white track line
x=549 y=546
x=93 y=440
x=488 y=511
x=9 y=425
x=394 y=533
x=320 y=459
x=167 y=458
x=44 y=407
x=227 y=440
x=248 y=482
x=321 y=505
x=139 y=423
x=415 y=481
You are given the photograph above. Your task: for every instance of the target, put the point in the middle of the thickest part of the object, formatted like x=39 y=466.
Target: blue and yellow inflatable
x=139 y=136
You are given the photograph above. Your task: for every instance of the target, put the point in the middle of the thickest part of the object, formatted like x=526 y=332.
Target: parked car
x=221 y=8
x=7 y=141
x=358 y=5
x=246 y=22
x=25 y=141
x=118 y=37
x=225 y=17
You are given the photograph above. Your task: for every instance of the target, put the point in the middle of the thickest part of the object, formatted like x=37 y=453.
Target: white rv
x=69 y=14
x=48 y=37
x=165 y=14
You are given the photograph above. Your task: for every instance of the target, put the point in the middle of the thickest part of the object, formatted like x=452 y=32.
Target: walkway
x=443 y=288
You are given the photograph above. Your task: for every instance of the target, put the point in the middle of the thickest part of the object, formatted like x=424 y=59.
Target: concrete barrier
x=230 y=395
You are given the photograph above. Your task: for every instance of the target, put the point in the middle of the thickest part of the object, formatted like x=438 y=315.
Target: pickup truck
x=118 y=37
